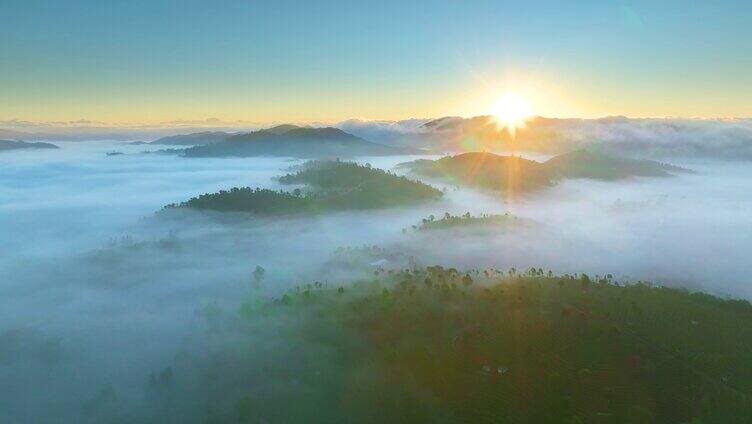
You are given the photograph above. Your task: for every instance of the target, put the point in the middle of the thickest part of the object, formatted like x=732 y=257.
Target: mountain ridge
x=295 y=141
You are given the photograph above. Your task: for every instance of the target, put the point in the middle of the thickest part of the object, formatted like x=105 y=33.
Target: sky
x=316 y=61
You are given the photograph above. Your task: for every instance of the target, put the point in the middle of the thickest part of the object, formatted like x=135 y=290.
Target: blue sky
x=326 y=61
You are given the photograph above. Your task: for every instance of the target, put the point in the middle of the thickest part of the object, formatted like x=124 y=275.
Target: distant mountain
x=293 y=141
x=281 y=129
x=513 y=174
x=17 y=145
x=586 y=164
x=194 y=139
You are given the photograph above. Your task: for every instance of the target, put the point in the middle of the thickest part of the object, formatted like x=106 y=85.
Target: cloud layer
x=96 y=293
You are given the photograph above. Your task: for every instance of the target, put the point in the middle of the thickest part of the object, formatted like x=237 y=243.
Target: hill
x=331 y=186
x=483 y=222
x=194 y=139
x=441 y=345
x=587 y=164
x=292 y=141
x=281 y=129
x=17 y=145
x=513 y=174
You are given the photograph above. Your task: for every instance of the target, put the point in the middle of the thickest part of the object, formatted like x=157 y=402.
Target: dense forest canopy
x=484 y=221
x=332 y=185
x=438 y=344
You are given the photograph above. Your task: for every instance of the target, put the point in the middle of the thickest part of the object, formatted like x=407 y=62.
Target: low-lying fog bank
x=96 y=292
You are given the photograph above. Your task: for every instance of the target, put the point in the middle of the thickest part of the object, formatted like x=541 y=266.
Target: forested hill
x=486 y=170
x=331 y=185
x=586 y=164
x=514 y=174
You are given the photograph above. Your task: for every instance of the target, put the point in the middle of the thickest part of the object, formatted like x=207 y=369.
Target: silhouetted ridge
x=295 y=142
x=18 y=145
x=200 y=138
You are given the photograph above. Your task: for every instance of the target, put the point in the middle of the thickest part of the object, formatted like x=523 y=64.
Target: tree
x=258 y=276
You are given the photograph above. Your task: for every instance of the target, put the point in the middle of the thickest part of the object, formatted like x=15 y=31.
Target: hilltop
x=486 y=170
x=513 y=174
x=438 y=344
x=484 y=222
x=586 y=164
x=293 y=141
x=194 y=139
x=331 y=185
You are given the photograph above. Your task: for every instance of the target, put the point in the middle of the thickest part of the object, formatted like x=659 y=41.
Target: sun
x=511 y=112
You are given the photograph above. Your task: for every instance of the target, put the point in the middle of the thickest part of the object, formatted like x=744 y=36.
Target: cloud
x=97 y=294
x=650 y=138
x=655 y=138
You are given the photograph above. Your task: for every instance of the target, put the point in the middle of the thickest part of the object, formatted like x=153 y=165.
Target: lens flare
x=511 y=112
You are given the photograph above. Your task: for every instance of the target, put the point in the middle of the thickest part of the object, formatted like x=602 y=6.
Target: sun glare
x=511 y=112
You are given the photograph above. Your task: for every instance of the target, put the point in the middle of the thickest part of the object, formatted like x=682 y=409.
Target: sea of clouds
x=97 y=293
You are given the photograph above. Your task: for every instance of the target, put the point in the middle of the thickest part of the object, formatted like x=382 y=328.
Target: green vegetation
x=334 y=185
x=513 y=174
x=463 y=221
x=246 y=199
x=587 y=164
x=439 y=345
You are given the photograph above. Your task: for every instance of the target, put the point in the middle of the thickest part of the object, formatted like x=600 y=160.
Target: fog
x=656 y=138
x=97 y=292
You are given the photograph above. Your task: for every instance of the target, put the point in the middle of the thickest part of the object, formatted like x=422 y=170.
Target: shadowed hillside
x=18 y=145
x=295 y=142
x=331 y=186
x=195 y=139
x=513 y=174
x=587 y=164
